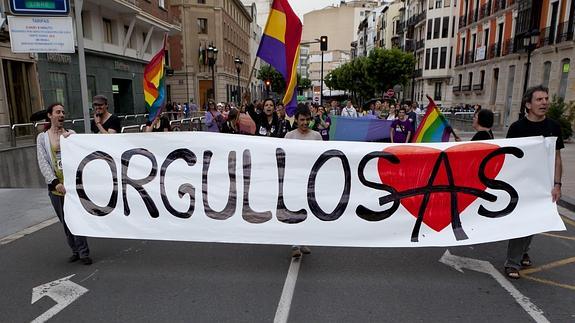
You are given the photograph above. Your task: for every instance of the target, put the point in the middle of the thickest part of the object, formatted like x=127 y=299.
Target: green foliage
x=564 y=113
x=267 y=72
x=304 y=83
x=372 y=75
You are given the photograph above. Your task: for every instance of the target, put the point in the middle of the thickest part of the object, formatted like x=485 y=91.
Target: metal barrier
x=131 y=129
x=9 y=134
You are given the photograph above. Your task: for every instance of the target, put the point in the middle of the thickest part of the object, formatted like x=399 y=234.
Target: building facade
x=491 y=67
x=340 y=25
x=430 y=32
x=388 y=25
x=221 y=24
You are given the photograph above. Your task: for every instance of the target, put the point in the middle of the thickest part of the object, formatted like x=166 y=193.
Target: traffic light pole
x=321 y=83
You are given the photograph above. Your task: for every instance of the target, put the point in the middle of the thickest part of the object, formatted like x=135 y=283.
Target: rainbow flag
x=433 y=127
x=279 y=47
x=154 y=85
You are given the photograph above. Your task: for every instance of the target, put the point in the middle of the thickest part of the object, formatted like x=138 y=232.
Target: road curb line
x=27 y=231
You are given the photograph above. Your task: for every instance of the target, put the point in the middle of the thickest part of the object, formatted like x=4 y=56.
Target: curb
x=567 y=202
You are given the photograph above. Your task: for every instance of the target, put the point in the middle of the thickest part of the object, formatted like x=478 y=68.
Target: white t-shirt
x=309 y=135
x=349 y=112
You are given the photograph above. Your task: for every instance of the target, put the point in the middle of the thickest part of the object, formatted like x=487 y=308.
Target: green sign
x=566 y=67
x=35 y=4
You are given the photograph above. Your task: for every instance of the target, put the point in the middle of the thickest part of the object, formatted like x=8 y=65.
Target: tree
x=366 y=77
x=564 y=113
x=304 y=83
x=267 y=72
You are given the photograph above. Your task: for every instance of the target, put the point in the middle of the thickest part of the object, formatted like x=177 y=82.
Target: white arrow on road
x=458 y=263
x=63 y=291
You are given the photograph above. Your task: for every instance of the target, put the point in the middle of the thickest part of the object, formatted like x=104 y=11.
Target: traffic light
x=323 y=43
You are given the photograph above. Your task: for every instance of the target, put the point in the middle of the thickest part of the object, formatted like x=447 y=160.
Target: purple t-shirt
x=401 y=128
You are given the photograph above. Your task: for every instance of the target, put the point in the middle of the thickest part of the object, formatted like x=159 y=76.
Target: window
x=442 y=57
x=546 y=73
x=430 y=4
x=450 y=55
x=131 y=40
x=447 y=3
x=161 y=4
x=437 y=92
x=470 y=79
x=86 y=26
x=202 y=1
x=438 y=4
x=445 y=28
x=437 y=25
x=482 y=79
x=453 y=27
x=486 y=39
x=565 y=67
x=434 y=54
x=108 y=32
x=427 y=52
x=91 y=80
x=429 y=28
x=460 y=80
x=202 y=26
x=59 y=83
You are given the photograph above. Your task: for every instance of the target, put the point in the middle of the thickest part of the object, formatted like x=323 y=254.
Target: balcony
x=466 y=88
x=508 y=47
x=478 y=87
x=485 y=10
x=546 y=37
x=462 y=21
x=472 y=17
x=458 y=60
x=498 y=5
x=469 y=57
x=401 y=27
x=420 y=44
x=564 y=32
x=457 y=89
x=494 y=51
x=415 y=19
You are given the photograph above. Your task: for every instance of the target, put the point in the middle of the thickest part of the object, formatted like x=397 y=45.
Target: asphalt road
x=157 y=281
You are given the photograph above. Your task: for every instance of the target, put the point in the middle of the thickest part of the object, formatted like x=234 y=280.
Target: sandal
x=526 y=261
x=512 y=273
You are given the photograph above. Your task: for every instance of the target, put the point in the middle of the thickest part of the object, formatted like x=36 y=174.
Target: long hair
x=49 y=110
x=528 y=96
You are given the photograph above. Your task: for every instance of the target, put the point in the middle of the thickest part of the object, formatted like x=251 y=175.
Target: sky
x=302 y=7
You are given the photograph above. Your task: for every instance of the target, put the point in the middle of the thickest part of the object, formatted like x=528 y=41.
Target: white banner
x=41 y=34
x=197 y=186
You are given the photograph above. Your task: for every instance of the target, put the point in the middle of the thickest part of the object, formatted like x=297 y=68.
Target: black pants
x=78 y=244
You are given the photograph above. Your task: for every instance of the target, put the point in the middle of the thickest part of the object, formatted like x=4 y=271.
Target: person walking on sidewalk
x=50 y=164
x=536 y=102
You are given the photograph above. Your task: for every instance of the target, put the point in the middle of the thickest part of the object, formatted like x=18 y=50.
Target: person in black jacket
x=267 y=122
x=482 y=123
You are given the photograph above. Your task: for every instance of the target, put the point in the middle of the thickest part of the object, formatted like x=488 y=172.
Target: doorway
x=18 y=93
x=123 y=96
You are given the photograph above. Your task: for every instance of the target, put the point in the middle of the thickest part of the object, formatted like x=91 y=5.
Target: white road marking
x=458 y=263
x=15 y=236
x=282 y=312
x=63 y=291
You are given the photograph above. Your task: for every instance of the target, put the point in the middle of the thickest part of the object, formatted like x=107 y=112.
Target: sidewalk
x=23 y=208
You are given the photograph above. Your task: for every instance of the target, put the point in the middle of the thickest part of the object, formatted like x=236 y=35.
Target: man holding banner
x=536 y=102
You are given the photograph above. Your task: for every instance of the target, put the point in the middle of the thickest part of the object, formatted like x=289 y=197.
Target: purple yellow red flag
x=280 y=46
x=434 y=127
x=154 y=84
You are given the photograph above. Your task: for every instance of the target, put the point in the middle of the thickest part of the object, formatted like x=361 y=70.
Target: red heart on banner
x=415 y=169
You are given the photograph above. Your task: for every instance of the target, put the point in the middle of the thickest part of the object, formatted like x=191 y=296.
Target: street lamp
x=212 y=58
x=530 y=41
x=239 y=63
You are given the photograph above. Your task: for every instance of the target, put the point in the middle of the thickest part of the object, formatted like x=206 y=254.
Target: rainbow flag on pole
x=280 y=47
x=155 y=84
x=434 y=127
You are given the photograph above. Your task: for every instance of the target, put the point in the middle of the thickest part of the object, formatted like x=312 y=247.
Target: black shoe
x=74 y=258
x=86 y=261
